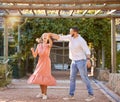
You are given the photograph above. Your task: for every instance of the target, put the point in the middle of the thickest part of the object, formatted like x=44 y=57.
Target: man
x=79 y=53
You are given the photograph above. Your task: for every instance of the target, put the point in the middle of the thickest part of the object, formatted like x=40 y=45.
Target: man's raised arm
x=53 y=35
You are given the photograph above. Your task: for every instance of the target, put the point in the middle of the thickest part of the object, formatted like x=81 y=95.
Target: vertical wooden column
x=18 y=47
x=103 y=57
x=113 y=46
x=63 y=56
x=5 y=41
x=18 y=51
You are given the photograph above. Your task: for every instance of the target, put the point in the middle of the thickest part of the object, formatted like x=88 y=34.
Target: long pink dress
x=42 y=74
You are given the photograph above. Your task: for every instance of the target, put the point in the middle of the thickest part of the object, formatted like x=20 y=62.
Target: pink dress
x=42 y=74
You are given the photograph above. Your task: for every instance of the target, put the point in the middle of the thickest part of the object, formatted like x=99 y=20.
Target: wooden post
x=103 y=57
x=63 y=54
x=5 y=42
x=18 y=47
x=113 y=46
x=18 y=51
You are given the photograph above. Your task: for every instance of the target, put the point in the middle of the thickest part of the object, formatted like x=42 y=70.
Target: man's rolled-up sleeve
x=85 y=47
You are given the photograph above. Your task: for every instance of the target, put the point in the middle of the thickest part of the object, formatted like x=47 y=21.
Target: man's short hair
x=75 y=29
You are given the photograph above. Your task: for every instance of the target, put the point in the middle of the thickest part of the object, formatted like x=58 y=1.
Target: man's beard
x=72 y=35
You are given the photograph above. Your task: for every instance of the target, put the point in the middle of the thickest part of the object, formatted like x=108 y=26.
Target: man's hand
x=88 y=63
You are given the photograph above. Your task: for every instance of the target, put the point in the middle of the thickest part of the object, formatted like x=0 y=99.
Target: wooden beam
x=97 y=12
x=46 y=11
x=72 y=13
x=6 y=11
x=32 y=9
x=112 y=11
x=78 y=7
x=59 y=12
x=63 y=16
x=33 y=12
x=85 y=12
x=20 y=11
x=61 y=1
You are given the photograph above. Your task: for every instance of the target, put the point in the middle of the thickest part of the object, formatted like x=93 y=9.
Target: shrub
x=5 y=77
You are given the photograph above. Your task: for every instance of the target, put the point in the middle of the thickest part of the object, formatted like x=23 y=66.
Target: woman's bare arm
x=59 y=37
x=50 y=42
x=34 y=53
x=53 y=35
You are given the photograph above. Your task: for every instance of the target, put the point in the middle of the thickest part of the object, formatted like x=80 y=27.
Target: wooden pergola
x=62 y=9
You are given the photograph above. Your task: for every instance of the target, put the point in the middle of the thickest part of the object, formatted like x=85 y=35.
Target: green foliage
x=5 y=77
x=96 y=31
x=118 y=60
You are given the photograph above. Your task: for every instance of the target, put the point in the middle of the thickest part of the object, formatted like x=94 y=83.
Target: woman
x=42 y=74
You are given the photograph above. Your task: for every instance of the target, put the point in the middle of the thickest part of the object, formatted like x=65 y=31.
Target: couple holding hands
x=79 y=53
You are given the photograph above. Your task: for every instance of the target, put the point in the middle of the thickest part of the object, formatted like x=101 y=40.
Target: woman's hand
x=37 y=40
x=88 y=64
x=32 y=49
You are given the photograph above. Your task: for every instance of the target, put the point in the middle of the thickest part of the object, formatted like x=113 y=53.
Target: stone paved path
x=20 y=91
